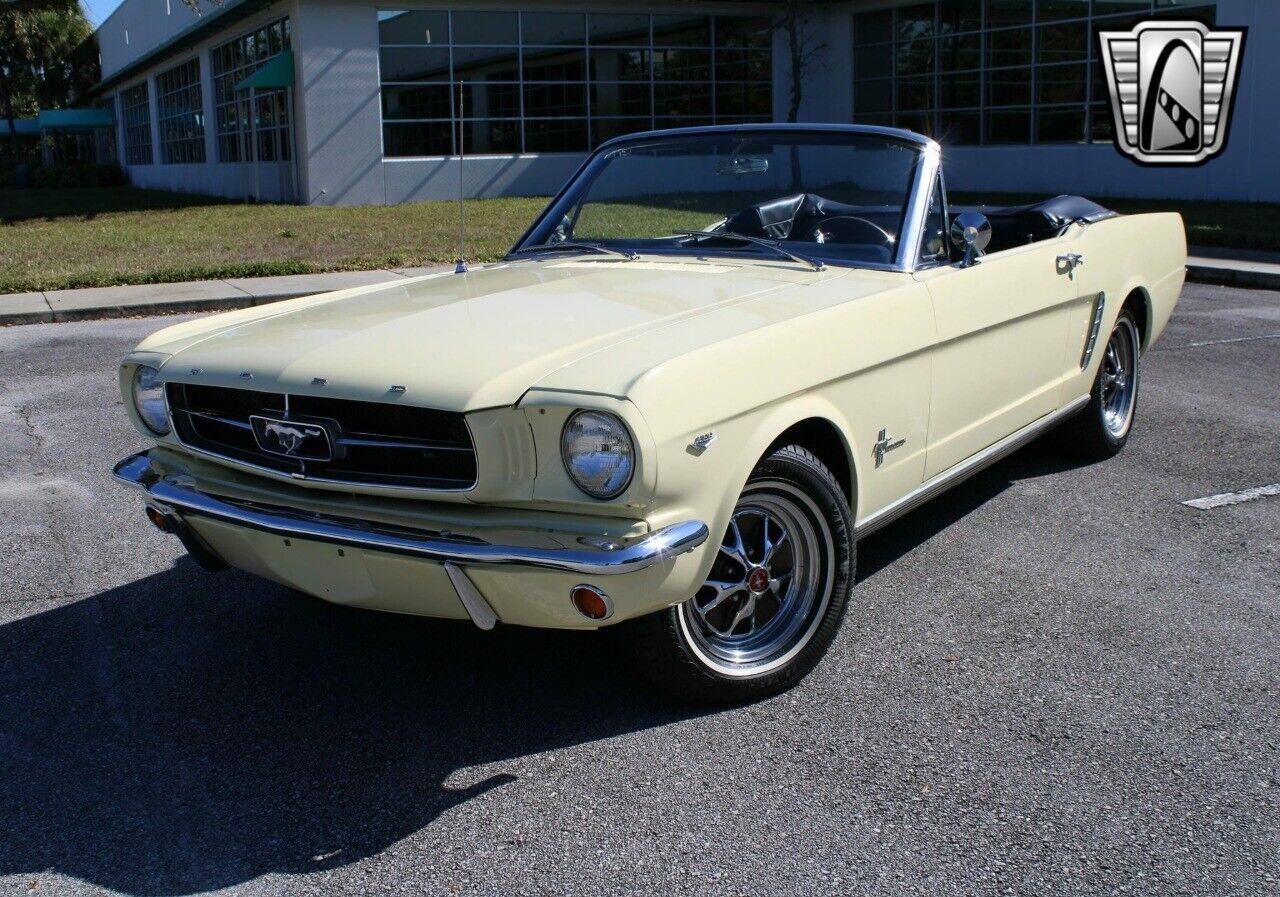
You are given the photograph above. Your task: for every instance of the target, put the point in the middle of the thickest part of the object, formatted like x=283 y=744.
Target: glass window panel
x=872 y=27
x=553 y=28
x=914 y=57
x=959 y=15
x=681 y=31
x=958 y=128
x=621 y=99
x=413 y=64
x=1101 y=123
x=417 y=139
x=743 y=32
x=555 y=65
x=484 y=137
x=603 y=129
x=873 y=61
x=486 y=63
x=618 y=29
x=960 y=52
x=1106 y=7
x=485 y=27
x=1006 y=13
x=555 y=100
x=1172 y=9
x=1012 y=47
x=682 y=99
x=933 y=246
x=873 y=96
x=883 y=120
x=739 y=100
x=1060 y=125
x=486 y=99
x=920 y=122
x=1009 y=87
x=557 y=136
x=1061 y=83
x=1062 y=43
x=399 y=26
x=915 y=93
x=1008 y=126
x=620 y=65
x=682 y=65
x=744 y=65
x=915 y=21
x=1051 y=10
x=416 y=102
x=960 y=90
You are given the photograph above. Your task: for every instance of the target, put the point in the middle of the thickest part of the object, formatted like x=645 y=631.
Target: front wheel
x=1101 y=430
x=775 y=595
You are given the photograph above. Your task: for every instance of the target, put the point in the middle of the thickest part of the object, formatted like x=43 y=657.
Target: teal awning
x=276 y=73
x=97 y=117
x=26 y=127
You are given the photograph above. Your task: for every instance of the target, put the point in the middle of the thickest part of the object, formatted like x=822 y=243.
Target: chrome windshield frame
x=917 y=201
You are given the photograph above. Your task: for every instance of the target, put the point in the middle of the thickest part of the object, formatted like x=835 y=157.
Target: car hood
x=463 y=342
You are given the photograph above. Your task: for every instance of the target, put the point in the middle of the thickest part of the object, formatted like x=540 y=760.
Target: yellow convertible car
x=717 y=359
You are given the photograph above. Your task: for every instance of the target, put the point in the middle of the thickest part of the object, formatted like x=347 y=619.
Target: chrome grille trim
x=424 y=449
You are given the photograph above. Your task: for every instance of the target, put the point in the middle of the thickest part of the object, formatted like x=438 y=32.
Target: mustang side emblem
x=885 y=444
x=292 y=439
x=1172 y=85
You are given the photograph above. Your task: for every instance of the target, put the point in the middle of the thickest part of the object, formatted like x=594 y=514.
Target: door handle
x=1068 y=263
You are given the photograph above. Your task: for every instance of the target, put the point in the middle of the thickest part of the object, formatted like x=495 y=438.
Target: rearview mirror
x=970 y=231
x=740 y=165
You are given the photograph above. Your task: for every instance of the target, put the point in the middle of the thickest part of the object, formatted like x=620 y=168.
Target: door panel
x=998 y=364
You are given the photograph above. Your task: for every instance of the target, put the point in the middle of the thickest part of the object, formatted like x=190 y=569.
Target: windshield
x=834 y=197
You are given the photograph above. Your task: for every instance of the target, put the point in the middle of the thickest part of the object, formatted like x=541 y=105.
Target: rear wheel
x=1101 y=430
x=775 y=595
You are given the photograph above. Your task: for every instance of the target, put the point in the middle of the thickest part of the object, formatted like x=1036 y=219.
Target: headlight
x=148 y=399
x=598 y=453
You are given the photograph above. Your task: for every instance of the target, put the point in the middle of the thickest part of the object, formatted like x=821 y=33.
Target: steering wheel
x=852 y=229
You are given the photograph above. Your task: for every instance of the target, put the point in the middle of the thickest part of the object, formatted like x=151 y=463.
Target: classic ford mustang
x=717 y=359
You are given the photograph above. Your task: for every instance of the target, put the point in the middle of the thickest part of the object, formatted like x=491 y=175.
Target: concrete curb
x=1251 y=275
x=57 y=306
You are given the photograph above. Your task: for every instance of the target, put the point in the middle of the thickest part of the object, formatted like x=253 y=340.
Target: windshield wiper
x=571 y=245
x=775 y=245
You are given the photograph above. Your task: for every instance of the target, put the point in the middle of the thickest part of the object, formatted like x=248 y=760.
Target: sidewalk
x=196 y=295
x=1239 y=268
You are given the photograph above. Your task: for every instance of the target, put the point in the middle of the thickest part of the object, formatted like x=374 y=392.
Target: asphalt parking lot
x=1055 y=680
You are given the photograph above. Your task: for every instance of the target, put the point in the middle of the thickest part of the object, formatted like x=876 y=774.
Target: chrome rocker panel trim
x=965 y=469
x=173 y=495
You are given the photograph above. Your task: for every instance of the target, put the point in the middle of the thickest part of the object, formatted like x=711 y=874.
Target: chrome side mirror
x=970 y=231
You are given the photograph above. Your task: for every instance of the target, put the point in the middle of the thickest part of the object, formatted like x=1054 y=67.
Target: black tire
x=1094 y=432
x=677 y=648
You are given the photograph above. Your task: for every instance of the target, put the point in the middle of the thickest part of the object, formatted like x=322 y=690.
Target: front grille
x=376 y=443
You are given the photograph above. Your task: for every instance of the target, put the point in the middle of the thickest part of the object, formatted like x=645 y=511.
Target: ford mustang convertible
x=717 y=359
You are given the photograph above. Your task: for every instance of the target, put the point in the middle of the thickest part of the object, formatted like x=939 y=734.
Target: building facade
x=353 y=102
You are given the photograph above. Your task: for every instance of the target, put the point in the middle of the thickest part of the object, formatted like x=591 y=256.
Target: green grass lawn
x=56 y=239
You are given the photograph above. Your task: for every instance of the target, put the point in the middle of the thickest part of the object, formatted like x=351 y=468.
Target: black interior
x=1020 y=225
x=808 y=217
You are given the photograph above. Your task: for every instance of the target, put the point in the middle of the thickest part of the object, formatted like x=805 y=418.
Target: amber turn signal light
x=591 y=602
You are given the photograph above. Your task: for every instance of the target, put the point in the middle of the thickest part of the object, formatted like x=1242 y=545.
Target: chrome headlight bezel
x=589 y=481
x=149 y=400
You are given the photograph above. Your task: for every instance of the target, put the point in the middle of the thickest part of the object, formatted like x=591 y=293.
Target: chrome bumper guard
x=177 y=496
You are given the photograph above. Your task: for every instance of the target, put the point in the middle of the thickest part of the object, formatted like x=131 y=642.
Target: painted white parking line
x=1223 y=342
x=1209 y=502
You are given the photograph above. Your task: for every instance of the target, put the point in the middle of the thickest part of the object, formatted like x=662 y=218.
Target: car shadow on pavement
x=1044 y=457
x=188 y=732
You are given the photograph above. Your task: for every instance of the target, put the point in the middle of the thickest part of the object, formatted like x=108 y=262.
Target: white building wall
x=234 y=180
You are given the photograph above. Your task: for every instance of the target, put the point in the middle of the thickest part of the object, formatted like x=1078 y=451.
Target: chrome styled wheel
x=769 y=585
x=1118 y=378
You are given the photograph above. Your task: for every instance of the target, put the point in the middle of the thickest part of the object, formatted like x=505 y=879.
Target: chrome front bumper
x=176 y=496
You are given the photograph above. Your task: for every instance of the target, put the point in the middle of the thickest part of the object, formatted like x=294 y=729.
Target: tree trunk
x=9 y=115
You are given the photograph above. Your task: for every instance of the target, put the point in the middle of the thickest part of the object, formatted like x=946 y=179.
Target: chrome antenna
x=461 y=266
